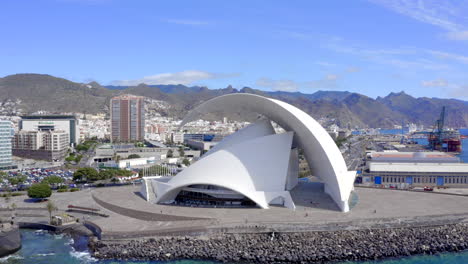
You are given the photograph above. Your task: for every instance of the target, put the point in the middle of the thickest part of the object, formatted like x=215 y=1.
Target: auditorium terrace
x=256 y=166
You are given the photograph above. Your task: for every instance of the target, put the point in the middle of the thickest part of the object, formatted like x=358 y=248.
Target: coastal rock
x=303 y=247
x=10 y=241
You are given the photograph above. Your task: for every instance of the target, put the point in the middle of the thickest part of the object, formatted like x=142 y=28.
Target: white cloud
x=439 y=13
x=405 y=58
x=278 y=85
x=445 y=14
x=187 y=22
x=435 y=83
x=457 y=35
x=184 y=77
x=447 y=55
x=331 y=77
x=413 y=64
x=329 y=81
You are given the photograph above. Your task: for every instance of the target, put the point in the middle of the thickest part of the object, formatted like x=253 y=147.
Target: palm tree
x=50 y=208
x=13 y=207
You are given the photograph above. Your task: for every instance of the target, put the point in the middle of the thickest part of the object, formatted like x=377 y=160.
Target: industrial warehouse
x=406 y=169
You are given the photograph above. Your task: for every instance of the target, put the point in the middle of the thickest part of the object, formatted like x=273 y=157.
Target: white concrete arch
x=322 y=154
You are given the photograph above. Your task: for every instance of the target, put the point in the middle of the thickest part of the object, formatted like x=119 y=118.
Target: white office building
x=6 y=134
x=68 y=124
x=45 y=145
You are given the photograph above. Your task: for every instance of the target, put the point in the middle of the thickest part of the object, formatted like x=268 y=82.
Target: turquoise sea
x=44 y=248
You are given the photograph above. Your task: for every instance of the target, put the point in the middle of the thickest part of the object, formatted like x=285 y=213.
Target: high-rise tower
x=127 y=118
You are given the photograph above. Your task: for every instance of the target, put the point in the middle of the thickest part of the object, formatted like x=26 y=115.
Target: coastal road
x=86 y=160
x=355 y=154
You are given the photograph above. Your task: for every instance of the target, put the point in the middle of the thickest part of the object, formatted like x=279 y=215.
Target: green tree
x=78 y=158
x=340 y=141
x=186 y=162
x=18 y=179
x=106 y=174
x=170 y=153
x=85 y=174
x=39 y=191
x=124 y=173
x=50 y=208
x=133 y=156
x=52 y=180
x=82 y=147
x=181 y=152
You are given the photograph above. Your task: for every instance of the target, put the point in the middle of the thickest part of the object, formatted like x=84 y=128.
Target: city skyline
x=370 y=47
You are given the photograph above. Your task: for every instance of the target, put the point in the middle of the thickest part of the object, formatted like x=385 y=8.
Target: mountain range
x=44 y=92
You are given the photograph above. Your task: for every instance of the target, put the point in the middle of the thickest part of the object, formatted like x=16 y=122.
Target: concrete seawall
x=32 y=225
x=300 y=247
x=10 y=241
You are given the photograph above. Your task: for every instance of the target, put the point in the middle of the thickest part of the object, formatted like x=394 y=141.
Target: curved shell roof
x=322 y=154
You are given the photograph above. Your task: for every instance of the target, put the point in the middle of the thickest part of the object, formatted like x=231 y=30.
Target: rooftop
x=48 y=117
x=414 y=157
x=127 y=96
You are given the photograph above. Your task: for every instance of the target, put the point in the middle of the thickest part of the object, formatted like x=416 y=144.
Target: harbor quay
x=386 y=222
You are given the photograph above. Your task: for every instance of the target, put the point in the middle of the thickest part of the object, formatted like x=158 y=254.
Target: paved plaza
x=311 y=200
x=130 y=214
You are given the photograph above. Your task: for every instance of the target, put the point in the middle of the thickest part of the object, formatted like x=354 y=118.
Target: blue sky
x=373 y=47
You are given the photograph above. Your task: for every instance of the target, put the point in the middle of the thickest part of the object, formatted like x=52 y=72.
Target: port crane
x=442 y=139
x=436 y=136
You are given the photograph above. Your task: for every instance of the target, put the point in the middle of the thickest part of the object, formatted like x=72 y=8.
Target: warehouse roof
x=414 y=157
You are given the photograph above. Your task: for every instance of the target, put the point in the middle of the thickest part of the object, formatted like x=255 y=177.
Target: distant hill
x=45 y=92
x=427 y=110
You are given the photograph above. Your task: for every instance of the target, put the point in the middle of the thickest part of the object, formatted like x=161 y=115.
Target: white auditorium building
x=256 y=166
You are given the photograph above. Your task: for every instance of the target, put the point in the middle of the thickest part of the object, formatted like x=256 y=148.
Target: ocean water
x=392 y=131
x=45 y=248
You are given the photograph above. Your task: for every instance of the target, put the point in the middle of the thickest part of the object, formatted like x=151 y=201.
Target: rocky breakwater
x=304 y=247
x=10 y=239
